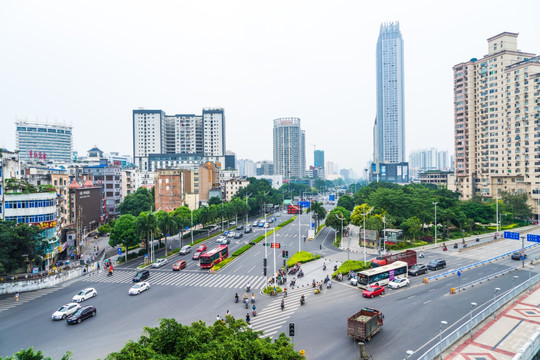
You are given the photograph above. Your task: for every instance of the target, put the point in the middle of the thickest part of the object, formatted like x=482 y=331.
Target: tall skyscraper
x=389 y=128
x=289 y=148
x=496 y=122
x=318 y=162
x=42 y=141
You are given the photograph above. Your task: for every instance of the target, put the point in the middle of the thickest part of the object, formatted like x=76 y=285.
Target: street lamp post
x=409 y=354
x=440 y=336
x=494 y=309
x=364 y=215
x=513 y=288
x=473 y=304
x=497 y=211
x=384 y=235
x=299 y=221
x=191 y=228
x=349 y=246
x=435 y=203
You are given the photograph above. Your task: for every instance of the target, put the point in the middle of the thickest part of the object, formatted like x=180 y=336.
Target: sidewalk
x=502 y=338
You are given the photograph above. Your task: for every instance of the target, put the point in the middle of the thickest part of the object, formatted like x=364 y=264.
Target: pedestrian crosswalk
x=183 y=278
x=24 y=297
x=272 y=318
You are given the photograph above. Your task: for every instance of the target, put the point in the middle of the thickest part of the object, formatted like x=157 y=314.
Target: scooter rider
x=252 y=298
x=236 y=297
x=253 y=310
x=302 y=300
x=248 y=287
x=282 y=304
x=248 y=318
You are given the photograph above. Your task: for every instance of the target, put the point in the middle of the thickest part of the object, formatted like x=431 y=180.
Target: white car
x=231 y=234
x=221 y=238
x=159 y=263
x=139 y=287
x=65 y=311
x=398 y=282
x=85 y=294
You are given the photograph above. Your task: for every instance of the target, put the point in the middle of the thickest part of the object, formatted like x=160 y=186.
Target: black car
x=417 y=269
x=437 y=264
x=238 y=235
x=240 y=227
x=82 y=314
x=517 y=255
x=141 y=275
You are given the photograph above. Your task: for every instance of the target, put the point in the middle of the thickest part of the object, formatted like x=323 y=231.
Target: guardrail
x=469 y=325
x=530 y=349
x=486 y=278
x=445 y=274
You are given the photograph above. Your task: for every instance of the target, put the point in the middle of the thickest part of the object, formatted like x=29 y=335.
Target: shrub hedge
x=354 y=265
x=302 y=257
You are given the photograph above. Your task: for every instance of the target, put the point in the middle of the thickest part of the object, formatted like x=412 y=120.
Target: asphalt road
x=412 y=315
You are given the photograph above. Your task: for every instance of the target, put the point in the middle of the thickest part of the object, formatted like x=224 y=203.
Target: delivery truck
x=364 y=324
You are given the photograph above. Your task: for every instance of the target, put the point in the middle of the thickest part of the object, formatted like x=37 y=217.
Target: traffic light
x=265 y=263
x=287 y=253
x=264 y=271
x=283 y=253
x=291 y=329
x=284 y=262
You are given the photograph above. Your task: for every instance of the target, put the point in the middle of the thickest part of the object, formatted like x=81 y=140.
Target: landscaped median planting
x=246 y=247
x=269 y=289
x=302 y=257
x=354 y=265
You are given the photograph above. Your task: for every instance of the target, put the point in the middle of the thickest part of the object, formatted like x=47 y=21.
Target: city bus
x=214 y=256
x=381 y=275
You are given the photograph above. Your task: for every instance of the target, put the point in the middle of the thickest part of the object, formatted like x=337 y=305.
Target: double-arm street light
x=513 y=288
x=349 y=246
x=494 y=309
x=364 y=215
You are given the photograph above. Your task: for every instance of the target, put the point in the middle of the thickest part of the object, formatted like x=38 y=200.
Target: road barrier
x=469 y=325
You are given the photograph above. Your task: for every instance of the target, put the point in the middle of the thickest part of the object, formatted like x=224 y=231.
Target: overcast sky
x=89 y=64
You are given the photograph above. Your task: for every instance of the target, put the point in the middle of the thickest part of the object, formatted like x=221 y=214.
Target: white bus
x=381 y=275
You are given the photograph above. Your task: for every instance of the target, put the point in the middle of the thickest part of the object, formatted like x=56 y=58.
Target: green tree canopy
x=333 y=219
x=124 y=232
x=141 y=200
x=516 y=204
x=346 y=201
x=229 y=340
x=18 y=243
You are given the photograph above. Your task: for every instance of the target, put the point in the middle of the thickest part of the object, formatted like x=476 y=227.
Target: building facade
x=289 y=148
x=42 y=141
x=111 y=179
x=232 y=186
x=389 y=128
x=497 y=122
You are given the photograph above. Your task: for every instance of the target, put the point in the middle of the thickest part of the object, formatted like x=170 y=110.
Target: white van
x=185 y=250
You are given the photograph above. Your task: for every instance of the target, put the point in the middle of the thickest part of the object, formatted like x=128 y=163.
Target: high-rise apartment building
x=427 y=159
x=161 y=140
x=389 y=128
x=43 y=141
x=289 y=148
x=497 y=122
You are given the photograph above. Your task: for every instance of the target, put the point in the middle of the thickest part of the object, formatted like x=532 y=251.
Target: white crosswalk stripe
x=271 y=318
x=184 y=279
x=24 y=297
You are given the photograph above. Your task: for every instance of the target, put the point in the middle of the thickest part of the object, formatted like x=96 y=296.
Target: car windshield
x=78 y=312
x=63 y=308
x=434 y=262
x=136 y=286
x=82 y=292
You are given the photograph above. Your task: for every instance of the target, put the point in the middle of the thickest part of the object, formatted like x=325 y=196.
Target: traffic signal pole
x=275 y=269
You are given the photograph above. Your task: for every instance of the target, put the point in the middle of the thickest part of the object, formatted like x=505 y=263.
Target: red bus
x=293 y=209
x=214 y=256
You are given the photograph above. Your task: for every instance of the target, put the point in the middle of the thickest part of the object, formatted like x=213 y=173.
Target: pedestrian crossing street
x=183 y=278
x=24 y=297
x=272 y=318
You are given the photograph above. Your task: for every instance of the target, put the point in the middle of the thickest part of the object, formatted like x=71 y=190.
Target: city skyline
x=306 y=60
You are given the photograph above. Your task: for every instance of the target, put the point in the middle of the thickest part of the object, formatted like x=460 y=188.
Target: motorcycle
x=477 y=239
x=444 y=248
x=248 y=318
x=317 y=291
x=282 y=305
x=328 y=285
x=302 y=301
x=314 y=284
x=248 y=288
x=236 y=299
x=293 y=282
x=300 y=274
x=253 y=311
x=253 y=299
x=324 y=267
x=110 y=273
x=455 y=245
x=335 y=267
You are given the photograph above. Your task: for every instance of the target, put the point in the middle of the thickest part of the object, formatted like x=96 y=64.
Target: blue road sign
x=119 y=251
x=458 y=273
x=533 y=238
x=511 y=235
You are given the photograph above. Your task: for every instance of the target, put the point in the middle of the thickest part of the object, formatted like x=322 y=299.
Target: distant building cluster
x=427 y=159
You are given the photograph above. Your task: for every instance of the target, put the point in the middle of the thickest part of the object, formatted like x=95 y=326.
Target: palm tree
x=167 y=224
x=145 y=225
x=318 y=209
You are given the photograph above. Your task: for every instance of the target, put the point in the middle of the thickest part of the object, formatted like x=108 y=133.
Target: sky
x=91 y=63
